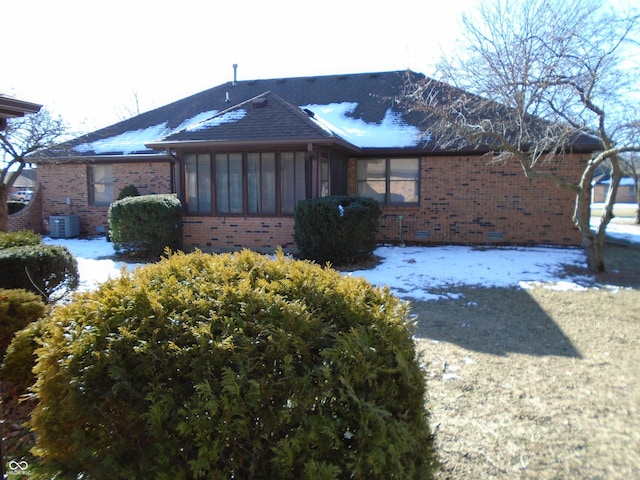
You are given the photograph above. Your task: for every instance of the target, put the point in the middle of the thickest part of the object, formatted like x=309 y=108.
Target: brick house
x=240 y=155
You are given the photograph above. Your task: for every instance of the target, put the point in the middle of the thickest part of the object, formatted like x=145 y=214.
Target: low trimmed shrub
x=19 y=239
x=146 y=225
x=49 y=270
x=231 y=366
x=339 y=230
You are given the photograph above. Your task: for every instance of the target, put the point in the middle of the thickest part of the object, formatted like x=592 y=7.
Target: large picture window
x=251 y=183
x=100 y=184
x=389 y=180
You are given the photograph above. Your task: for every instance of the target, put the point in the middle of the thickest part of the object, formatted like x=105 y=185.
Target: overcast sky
x=86 y=61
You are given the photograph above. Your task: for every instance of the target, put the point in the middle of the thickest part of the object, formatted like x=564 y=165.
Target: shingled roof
x=355 y=110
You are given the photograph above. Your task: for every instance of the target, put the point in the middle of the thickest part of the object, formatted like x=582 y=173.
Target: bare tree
x=544 y=76
x=22 y=137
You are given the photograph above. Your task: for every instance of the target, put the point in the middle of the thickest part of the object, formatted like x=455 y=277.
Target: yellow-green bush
x=19 y=238
x=18 y=308
x=231 y=366
x=19 y=359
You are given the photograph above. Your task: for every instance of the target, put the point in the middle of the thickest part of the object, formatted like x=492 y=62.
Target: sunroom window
x=249 y=183
x=198 y=183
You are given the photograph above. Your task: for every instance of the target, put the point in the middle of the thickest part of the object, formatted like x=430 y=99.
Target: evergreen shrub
x=128 y=191
x=231 y=366
x=19 y=359
x=18 y=308
x=338 y=229
x=146 y=225
x=50 y=270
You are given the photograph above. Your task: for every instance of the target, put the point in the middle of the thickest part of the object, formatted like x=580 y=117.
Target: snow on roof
x=135 y=140
x=227 y=117
x=392 y=132
x=126 y=142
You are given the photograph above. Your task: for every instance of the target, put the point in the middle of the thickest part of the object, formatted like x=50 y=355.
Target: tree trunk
x=4 y=209
x=592 y=242
x=594 y=250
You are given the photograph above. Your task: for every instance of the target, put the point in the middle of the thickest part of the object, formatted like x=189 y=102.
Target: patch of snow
x=135 y=140
x=393 y=131
x=195 y=120
x=432 y=269
x=127 y=142
x=227 y=117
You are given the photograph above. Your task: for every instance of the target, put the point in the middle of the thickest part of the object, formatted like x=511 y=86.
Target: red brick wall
x=64 y=189
x=233 y=233
x=464 y=200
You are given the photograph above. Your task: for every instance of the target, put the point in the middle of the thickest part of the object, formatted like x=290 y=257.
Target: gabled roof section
x=342 y=105
x=266 y=118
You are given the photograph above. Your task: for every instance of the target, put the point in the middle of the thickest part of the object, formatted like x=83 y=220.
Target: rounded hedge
x=49 y=270
x=146 y=225
x=339 y=229
x=231 y=366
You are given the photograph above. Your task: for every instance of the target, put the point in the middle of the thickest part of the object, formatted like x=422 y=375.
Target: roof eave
x=235 y=144
x=11 y=107
x=107 y=158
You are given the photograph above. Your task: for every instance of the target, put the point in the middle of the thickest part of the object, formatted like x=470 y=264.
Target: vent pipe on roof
x=235 y=74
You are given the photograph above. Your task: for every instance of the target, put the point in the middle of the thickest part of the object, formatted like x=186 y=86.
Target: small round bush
x=128 y=191
x=231 y=366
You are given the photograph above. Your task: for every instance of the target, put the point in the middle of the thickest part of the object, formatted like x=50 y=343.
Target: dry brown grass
x=537 y=384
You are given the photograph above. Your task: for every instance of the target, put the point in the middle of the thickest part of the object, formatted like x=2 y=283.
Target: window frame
x=387 y=179
x=107 y=183
x=269 y=163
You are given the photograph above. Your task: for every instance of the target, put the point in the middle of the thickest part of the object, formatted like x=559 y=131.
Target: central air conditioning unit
x=64 y=226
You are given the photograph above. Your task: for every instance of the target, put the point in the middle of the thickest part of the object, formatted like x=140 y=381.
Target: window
x=261 y=183
x=292 y=180
x=252 y=183
x=389 y=180
x=229 y=192
x=100 y=184
x=198 y=183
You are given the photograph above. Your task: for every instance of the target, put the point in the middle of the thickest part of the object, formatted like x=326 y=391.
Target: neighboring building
x=626 y=190
x=242 y=154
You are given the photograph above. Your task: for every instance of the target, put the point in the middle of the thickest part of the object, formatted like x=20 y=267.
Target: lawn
x=537 y=383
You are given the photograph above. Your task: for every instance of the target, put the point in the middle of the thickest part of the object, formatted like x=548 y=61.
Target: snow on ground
x=411 y=272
